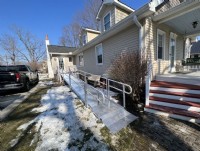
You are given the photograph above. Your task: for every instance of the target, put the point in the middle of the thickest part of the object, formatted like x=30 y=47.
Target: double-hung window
x=106 y=21
x=99 y=54
x=160 y=44
x=84 y=39
x=80 y=59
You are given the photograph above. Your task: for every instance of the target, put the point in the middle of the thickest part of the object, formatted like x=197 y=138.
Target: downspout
x=135 y=19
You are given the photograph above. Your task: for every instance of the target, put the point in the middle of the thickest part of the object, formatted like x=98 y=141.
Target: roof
x=91 y=30
x=116 y=3
x=195 y=49
x=60 y=49
x=144 y=11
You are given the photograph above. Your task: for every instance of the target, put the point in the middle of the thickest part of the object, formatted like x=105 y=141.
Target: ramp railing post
x=85 y=89
x=108 y=92
x=69 y=79
x=124 y=97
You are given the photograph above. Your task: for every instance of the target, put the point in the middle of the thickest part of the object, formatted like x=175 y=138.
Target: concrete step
x=189 y=106
x=175 y=97
x=175 y=90
x=190 y=80
x=190 y=116
x=174 y=85
x=182 y=94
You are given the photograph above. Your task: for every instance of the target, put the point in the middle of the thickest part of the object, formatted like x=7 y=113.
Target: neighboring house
x=163 y=30
x=195 y=50
x=58 y=58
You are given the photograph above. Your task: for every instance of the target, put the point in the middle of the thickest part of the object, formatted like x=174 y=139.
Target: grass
x=21 y=115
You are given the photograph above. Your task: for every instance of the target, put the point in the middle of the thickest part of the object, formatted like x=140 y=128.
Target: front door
x=172 y=53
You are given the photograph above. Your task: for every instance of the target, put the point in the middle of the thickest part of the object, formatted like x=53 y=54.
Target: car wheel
x=27 y=85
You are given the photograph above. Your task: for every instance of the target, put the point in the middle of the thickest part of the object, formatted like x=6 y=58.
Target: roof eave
x=141 y=13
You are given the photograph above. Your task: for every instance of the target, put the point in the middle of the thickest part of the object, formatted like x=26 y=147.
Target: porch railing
x=191 y=64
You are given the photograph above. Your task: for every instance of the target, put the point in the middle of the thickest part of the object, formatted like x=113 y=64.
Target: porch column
x=187 y=48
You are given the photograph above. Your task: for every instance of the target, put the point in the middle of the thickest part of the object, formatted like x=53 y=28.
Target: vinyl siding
x=120 y=14
x=162 y=66
x=112 y=47
x=91 y=36
x=108 y=9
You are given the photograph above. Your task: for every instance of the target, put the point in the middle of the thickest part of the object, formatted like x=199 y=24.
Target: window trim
x=104 y=22
x=96 y=54
x=161 y=32
x=86 y=39
x=81 y=54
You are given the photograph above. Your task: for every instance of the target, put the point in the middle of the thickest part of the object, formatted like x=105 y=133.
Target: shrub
x=130 y=68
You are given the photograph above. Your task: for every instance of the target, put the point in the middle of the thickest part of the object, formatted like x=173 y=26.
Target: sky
x=42 y=17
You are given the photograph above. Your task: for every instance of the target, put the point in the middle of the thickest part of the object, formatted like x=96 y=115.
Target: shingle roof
x=195 y=48
x=60 y=49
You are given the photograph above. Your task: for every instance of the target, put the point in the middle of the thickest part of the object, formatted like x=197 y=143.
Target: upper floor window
x=106 y=21
x=84 y=39
x=99 y=54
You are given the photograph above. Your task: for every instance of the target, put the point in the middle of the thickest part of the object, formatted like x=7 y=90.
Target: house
x=58 y=58
x=195 y=50
x=163 y=30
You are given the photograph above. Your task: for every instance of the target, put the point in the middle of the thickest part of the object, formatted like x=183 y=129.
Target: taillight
x=17 y=75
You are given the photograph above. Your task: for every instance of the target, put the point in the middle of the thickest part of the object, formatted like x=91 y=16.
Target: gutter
x=123 y=24
x=141 y=31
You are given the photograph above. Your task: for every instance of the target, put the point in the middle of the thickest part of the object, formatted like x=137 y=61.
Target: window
x=99 y=54
x=106 y=21
x=70 y=59
x=84 y=39
x=160 y=44
x=80 y=60
x=61 y=63
x=196 y=56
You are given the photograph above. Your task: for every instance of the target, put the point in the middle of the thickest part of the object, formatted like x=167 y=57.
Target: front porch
x=175 y=26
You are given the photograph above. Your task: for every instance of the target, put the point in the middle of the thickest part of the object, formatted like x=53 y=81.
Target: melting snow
x=65 y=123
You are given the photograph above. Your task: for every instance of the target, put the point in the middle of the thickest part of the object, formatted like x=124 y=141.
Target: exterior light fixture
x=194 y=24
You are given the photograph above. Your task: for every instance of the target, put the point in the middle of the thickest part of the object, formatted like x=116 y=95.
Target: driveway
x=8 y=97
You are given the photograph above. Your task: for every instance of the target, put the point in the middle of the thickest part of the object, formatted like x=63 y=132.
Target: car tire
x=26 y=86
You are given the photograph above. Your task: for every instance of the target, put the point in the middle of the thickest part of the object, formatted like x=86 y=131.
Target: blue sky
x=43 y=17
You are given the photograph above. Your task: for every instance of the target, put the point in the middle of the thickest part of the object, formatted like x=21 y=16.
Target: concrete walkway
x=114 y=116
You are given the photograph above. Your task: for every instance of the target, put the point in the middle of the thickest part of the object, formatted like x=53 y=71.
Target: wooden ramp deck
x=114 y=116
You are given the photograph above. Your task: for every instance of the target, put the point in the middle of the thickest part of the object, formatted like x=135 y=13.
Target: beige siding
x=120 y=14
x=67 y=64
x=112 y=47
x=162 y=66
x=91 y=36
x=108 y=9
x=54 y=62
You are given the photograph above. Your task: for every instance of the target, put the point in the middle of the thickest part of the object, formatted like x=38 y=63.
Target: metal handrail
x=108 y=86
x=85 y=88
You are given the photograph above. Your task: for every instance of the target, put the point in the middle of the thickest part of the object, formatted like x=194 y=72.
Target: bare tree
x=85 y=18
x=33 y=49
x=70 y=35
x=10 y=44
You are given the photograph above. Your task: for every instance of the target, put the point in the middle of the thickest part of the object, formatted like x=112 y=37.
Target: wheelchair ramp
x=114 y=116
